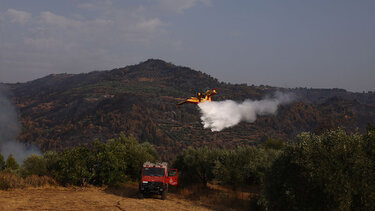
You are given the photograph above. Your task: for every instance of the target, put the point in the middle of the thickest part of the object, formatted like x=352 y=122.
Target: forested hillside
x=66 y=110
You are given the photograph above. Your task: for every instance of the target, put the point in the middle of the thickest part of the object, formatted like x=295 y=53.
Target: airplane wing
x=181 y=103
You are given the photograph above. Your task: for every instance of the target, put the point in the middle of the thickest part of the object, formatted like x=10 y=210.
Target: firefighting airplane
x=199 y=98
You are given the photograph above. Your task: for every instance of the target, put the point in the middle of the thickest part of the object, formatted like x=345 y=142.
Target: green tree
x=136 y=154
x=277 y=144
x=229 y=167
x=51 y=158
x=366 y=198
x=2 y=163
x=110 y=165
x=107 y=163
x=197 y=165
x=34 y=165
x=76 y=166
x=244 y=165
x=11 y=163
x=333 y=171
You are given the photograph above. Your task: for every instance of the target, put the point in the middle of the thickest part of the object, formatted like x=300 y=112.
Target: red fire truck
x=156 y=177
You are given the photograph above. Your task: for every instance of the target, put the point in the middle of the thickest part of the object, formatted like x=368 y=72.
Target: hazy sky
x=288 y=43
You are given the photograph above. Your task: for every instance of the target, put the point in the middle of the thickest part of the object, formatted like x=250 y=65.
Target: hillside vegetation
x=66 y=110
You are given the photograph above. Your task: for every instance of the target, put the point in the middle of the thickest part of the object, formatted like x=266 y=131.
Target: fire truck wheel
x=164 y=194
x=140 y=195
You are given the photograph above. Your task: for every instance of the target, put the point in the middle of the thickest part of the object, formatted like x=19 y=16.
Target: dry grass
x=212 y=197
x=219 y=197
x=91 y=198
x=12 y=181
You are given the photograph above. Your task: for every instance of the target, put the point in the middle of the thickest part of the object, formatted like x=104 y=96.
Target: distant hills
x=67 y=110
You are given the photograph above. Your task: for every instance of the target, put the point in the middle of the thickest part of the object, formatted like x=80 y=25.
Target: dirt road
x=92 y=198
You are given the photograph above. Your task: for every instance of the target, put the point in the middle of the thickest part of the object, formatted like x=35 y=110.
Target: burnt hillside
x=66 y=110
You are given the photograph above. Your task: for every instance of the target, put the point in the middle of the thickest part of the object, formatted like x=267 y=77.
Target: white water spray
x=218 y=115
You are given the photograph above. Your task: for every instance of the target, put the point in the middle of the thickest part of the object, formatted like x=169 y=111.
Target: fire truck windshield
x=159 y=172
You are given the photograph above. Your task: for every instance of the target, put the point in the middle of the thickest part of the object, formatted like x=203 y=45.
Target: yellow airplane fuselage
x=200 y=97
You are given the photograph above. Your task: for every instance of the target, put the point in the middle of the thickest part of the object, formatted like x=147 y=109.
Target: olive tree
x=333 y=171
x=34 y=165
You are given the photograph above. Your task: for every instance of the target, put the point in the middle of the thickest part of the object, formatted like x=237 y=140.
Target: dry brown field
x=93 y=198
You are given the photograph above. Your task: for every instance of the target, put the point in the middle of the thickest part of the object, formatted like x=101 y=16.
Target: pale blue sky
x=287 y=43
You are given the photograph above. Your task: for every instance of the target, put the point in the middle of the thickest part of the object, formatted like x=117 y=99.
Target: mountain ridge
x=67 y=110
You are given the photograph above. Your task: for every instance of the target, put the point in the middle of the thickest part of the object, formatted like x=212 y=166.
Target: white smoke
x=10 y=129
x=218 y=115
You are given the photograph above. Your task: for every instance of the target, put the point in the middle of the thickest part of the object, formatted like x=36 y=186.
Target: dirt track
x=59 y=198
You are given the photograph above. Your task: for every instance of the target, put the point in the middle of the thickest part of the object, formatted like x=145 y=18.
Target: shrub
x=11 y=181
x=34 y=165
x=39 y=181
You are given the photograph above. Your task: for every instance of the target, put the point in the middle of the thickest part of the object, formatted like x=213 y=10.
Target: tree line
x=111 y=163
x=331 y=171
